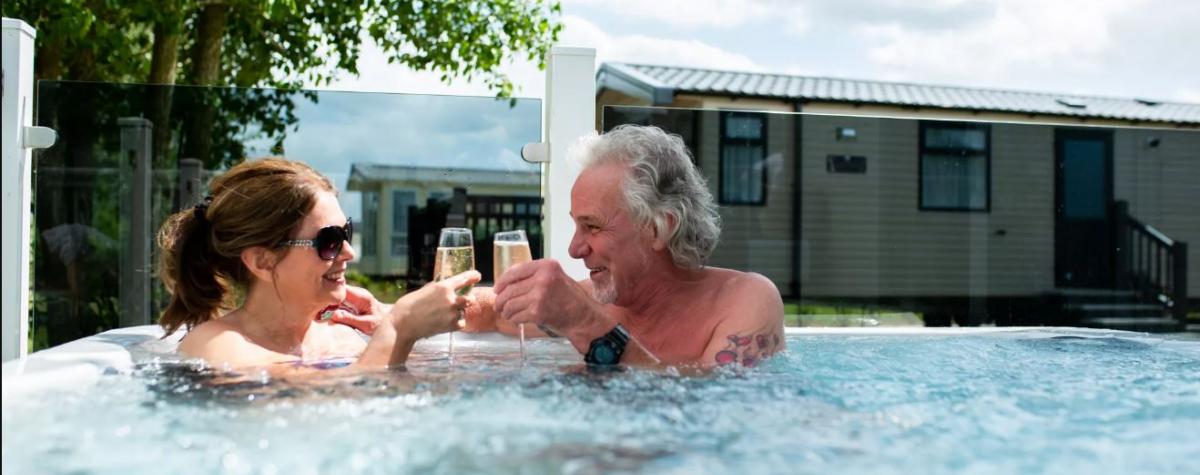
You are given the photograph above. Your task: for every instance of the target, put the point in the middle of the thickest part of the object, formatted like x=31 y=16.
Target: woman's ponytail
x=189 y=271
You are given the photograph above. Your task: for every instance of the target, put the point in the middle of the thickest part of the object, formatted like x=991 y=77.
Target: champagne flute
x=455 y=255
x=510 y=248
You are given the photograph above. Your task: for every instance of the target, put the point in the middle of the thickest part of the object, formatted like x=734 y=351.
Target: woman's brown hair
x=257 y=203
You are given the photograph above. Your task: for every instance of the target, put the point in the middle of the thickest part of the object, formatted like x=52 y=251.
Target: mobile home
x=964 y=204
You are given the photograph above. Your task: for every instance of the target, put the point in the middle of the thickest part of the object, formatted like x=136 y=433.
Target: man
x=645 y=223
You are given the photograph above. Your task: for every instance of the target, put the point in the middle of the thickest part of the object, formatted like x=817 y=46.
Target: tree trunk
x=166 y=52
x=210 y=34
x=206 y=69
x=163 y=70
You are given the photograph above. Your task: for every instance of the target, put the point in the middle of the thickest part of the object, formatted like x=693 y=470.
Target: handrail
x=1150 y=263
x=1152 y=231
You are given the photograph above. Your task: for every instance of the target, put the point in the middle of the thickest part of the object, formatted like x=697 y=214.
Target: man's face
x=614 y=249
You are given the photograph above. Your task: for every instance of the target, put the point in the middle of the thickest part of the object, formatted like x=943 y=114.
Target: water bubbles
x=232 y=463
x=836 y=404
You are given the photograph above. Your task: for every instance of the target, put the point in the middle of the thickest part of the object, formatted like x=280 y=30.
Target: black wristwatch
x=607 y=349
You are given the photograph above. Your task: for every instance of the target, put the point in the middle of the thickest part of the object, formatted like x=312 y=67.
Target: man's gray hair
x=662 y=182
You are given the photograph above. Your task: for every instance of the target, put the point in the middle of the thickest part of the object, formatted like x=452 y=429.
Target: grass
x=805 y=313
x=384 y=289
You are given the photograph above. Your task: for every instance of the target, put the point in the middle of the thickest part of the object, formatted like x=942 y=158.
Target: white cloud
x=684 y=13
x=1109 y=47
x=578 y=31
x=1020 y=33
x=1188 y=95
x=376 y=75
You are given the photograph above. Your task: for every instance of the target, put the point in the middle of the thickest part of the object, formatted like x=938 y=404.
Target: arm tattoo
x=749 y=349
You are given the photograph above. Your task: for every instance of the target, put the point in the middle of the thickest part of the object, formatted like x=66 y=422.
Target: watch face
x=604 y=354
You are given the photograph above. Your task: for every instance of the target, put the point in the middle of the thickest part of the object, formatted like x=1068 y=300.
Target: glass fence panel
x=129 y=155
x=869 y=220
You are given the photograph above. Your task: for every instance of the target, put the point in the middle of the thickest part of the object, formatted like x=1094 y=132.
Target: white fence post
x=20 y=137
x=569 y=112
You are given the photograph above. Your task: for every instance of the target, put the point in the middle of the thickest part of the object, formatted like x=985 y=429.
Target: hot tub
x=838 y=401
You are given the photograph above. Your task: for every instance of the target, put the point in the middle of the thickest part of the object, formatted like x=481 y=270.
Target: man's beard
x=605 y=293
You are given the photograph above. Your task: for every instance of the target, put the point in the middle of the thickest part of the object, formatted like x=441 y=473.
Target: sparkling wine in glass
x=510 y=248
x=455 y=255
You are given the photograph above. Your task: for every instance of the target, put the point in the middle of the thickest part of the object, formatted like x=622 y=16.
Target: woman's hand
x=432 y=309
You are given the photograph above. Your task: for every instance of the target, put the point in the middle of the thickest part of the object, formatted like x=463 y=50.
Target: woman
x=273 y=230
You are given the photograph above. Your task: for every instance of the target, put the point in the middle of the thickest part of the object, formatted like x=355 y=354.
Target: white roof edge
x=1108 y=107
x=658 y=92
x=633 y=73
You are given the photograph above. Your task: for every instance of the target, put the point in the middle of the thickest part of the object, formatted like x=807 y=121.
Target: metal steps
x=1116 y=309
x=1136 y=324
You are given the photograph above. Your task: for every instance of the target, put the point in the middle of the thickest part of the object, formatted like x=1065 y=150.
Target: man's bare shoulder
x=738 y=284
x=748 y=298
x=751 y=327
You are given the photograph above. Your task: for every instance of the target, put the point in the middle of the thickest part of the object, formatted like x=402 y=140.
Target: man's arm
x=753 y=329
x=540 y=292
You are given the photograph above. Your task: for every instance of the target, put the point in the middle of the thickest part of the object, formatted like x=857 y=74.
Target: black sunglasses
x=328 y=242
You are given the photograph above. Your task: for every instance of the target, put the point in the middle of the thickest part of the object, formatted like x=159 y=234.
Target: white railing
x=20 y=138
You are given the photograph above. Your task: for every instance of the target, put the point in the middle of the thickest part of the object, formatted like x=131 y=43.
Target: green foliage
x=287 y=43
x=106 y=312
x=464 y=39
x=243 y=115
x=92 y=40
x=385 y=289
x=39 y=335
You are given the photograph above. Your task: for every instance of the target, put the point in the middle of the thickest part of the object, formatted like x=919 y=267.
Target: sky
x=1121 y=48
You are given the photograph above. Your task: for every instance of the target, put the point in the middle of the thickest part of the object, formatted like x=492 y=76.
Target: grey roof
x=659 y=84
x=363 y=173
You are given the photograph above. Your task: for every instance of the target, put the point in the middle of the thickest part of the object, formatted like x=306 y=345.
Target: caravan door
x=1083 y=211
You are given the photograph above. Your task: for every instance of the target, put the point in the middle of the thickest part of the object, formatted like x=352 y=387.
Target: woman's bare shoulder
x=220 y=342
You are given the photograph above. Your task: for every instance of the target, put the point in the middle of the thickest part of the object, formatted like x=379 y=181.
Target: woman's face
x=302 y=277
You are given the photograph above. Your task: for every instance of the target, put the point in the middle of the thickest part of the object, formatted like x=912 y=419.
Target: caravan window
x=743 y=178
x=954 y=167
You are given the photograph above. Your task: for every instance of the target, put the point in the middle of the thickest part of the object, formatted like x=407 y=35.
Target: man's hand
x=480 y=316
x=360 y=310
x=540 y=292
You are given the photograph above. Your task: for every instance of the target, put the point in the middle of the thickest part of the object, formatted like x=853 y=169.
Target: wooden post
x=1180 y=255
x=1121 y=238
